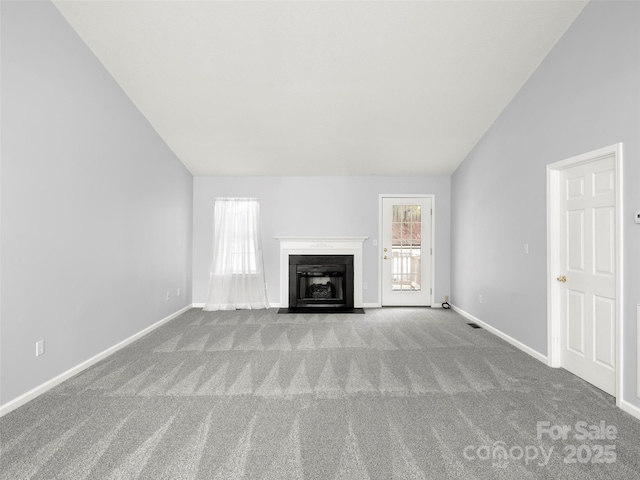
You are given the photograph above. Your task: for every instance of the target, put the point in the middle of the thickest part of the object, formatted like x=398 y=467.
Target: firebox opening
x=321 y=281
x=319 y=287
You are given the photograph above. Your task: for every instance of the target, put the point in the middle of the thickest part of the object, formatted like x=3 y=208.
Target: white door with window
x=406 y=250
x=587 y=272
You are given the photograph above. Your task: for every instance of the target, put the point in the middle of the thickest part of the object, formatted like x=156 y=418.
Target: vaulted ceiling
x=320 y=87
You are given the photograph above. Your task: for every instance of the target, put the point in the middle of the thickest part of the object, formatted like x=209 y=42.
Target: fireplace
x=321 y=281
x=322 y=247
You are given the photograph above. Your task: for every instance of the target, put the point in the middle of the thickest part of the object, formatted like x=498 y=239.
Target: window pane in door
x=406 y=248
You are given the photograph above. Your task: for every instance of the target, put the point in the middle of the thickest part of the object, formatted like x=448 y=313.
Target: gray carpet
x=403 y=393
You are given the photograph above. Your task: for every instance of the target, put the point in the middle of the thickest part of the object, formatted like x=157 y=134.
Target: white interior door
x=406 y=251
x=587 y=272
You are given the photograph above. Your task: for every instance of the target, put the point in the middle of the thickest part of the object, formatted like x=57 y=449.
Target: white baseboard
x=519 y=345
x=201 y=305
x=49 y=384
x=629 y=408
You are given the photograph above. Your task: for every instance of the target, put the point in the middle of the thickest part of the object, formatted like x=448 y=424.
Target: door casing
x=433 y=243
x=553 y=254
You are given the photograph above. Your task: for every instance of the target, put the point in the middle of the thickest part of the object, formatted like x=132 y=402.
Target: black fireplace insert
x=324 y=281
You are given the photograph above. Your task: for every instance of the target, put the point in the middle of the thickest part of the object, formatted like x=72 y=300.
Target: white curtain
x=237 y=272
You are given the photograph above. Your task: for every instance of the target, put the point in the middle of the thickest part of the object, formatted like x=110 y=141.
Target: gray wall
x=96 y=210
x=316 y=206
x=585 y=95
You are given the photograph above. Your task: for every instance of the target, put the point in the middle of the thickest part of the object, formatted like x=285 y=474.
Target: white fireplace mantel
x=321 y=246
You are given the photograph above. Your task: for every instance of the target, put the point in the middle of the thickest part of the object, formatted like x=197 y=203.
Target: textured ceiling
x=321 y=87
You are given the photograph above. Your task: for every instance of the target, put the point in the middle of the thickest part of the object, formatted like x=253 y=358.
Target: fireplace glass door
x=321 y=281
x=321 y=285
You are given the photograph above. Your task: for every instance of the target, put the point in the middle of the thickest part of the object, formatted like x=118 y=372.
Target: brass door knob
x=385 y=257
x=562 y=278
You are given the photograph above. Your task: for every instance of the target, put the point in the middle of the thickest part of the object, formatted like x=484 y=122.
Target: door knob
x=562 y=278
x=385 y=257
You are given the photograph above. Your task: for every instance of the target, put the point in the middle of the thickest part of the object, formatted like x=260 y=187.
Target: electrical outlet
x=364 y=286
x=178 y=293
x=480 y=298
x=168 y=295
x=375 y=242
x=526 y=248
x=39 y=348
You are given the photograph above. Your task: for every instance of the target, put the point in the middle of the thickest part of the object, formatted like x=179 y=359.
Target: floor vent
x=474 y=325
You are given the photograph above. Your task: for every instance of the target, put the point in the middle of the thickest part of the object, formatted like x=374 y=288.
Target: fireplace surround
x=321 y=246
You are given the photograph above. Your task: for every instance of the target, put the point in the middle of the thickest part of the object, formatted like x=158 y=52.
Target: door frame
x=432 y=268
x=553 y=254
